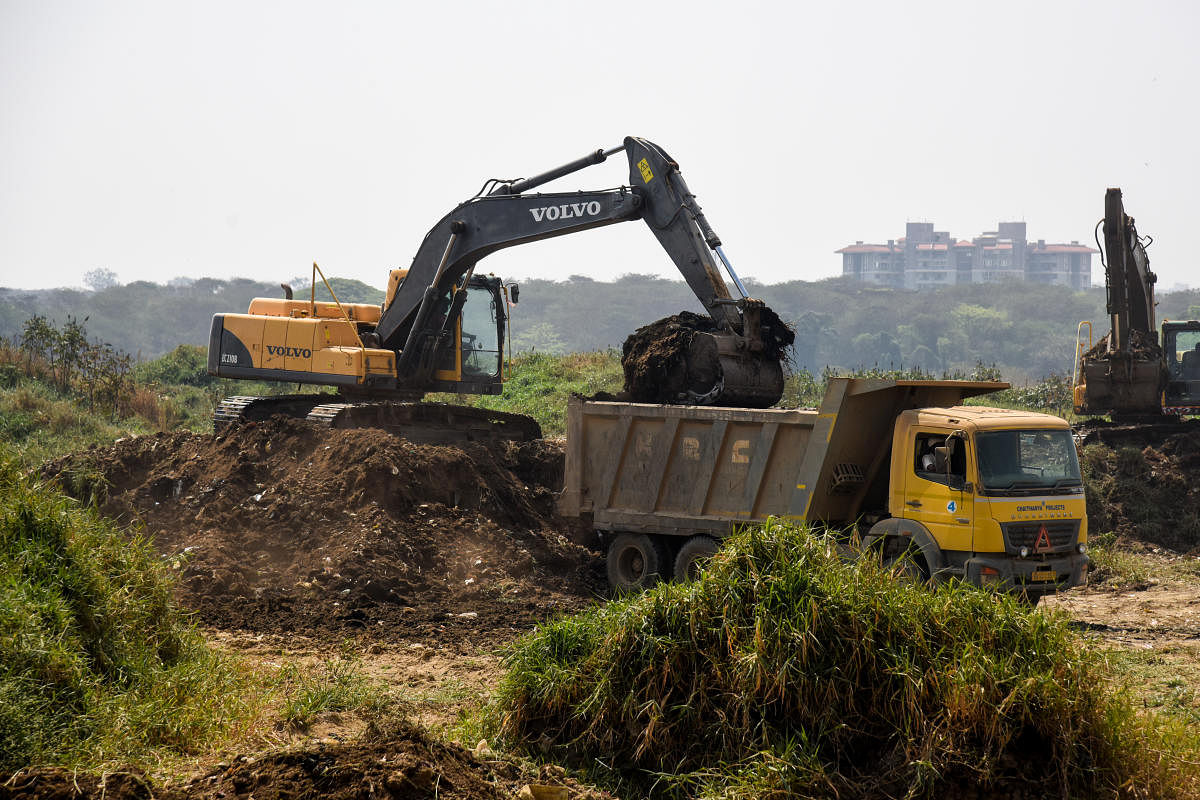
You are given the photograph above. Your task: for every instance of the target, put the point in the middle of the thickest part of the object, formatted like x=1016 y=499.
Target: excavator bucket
x=730 y=375
x=686 y=358
x=1124 y=386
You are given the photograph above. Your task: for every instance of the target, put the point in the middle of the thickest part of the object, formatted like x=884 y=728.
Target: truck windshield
x=1027 y=460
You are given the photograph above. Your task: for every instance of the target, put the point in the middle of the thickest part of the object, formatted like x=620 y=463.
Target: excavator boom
x=746 y=365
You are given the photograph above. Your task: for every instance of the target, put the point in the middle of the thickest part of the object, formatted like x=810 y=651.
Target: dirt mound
x=1142 y=346
x=1147 y=494
x=283 y=527
x=57 y=783
x=402 y=763
x=654 y=357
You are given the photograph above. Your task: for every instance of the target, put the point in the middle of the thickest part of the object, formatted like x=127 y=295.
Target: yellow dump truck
x=986 y=495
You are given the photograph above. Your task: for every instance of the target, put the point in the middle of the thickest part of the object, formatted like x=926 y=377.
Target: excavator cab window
x=480 y=334
x=1183 y=354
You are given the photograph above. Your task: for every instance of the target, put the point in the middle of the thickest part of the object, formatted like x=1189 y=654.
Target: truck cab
x=988 y=495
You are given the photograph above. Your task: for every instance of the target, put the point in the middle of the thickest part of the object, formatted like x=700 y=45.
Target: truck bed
x=680 y=470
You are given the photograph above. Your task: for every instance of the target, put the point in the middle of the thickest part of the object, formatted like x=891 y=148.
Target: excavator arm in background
x=1125 y=373
x=1127 y=278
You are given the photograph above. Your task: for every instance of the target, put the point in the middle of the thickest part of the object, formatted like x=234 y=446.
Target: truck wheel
x=907 y=563
x=636 y=561
x=692 y=556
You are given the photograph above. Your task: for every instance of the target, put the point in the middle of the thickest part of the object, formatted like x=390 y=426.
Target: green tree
x=38 y=337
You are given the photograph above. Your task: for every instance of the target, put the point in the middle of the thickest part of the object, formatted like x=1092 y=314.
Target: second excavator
x=442 y=327
x=1144 y=384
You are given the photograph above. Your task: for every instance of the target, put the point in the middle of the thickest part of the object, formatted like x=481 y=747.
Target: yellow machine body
x=285 y=340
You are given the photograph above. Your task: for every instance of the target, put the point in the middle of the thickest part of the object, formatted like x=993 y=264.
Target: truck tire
x=636 y=562
x=692 y=556
x=906 y=561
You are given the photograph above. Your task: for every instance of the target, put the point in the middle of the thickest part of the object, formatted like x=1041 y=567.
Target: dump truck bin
x=679 y=470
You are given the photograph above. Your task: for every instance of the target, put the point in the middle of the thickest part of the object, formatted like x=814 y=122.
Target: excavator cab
x=1181 y=346
x=470 y=355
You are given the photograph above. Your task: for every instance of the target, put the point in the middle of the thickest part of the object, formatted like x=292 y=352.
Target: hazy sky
x=162 y=139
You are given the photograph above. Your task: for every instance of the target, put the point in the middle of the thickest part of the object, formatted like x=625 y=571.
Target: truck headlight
x=1023 y=552
x=1082 y=547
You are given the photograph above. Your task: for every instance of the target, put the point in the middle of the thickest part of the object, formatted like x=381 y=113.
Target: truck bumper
x=1028 y=575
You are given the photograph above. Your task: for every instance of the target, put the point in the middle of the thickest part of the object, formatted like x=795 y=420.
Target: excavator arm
x=1125 y=373
x=751 y=336
x=1127 y=277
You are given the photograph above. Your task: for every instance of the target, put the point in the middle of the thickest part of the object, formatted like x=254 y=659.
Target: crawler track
x=432 y=423
x=1148 y=433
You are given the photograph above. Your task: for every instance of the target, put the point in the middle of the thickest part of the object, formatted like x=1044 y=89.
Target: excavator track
x=425 y=423
x=1148 y=432
x=241 y=408
x=429 y=423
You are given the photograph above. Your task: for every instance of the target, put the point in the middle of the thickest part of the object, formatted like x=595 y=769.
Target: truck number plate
x=1043 y=575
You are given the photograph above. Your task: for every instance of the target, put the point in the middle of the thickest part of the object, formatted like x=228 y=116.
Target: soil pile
x=1147 y=494
x=654 y=358
x=1142 y=346
x=278 y=526
x=403 y=763
x=661 y=365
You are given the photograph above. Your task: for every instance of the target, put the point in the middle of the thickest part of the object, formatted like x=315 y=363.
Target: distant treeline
x=1026 y=330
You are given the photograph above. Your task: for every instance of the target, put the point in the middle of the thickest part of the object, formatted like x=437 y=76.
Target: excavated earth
x=285 y=528
x=399 y=763
x=1146 y=489
x=1142 y=346
x=654 y=358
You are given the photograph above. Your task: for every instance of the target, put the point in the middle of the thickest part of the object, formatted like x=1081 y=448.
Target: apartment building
x=925 y=258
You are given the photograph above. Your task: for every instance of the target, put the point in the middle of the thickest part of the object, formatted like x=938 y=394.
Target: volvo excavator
x=1144 y=384
x=442 y=327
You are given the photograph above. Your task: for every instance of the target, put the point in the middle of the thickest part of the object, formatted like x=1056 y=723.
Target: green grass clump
x=784 y=671
x=97 y=666
x=338 y=685
x=43 y=423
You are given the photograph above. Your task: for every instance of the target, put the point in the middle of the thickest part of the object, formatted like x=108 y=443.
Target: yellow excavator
x=443 y=328
x=1144 y=384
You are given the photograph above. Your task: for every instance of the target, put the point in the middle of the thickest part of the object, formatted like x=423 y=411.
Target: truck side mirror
x=941 y=460
x=514 y=291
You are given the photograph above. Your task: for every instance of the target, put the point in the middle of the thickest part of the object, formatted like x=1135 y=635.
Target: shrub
x=96 y=663
x=784 y=671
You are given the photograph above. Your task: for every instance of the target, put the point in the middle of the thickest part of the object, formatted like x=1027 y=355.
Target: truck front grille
x=1063 y=535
